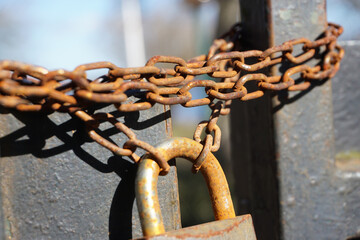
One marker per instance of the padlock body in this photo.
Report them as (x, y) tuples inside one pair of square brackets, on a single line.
[(234, 228)]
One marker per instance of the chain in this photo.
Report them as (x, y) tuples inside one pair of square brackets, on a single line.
[(26, 87)]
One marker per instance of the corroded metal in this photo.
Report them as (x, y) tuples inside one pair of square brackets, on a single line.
[(29, 88), (147, 177), (288, 179), (25, 87), (228, 229)]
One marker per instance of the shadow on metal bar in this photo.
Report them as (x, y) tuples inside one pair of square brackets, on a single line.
[(284, 99), (33, 139), (13, 145)]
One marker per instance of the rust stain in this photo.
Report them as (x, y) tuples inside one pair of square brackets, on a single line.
[(147, 176), (8, 167)]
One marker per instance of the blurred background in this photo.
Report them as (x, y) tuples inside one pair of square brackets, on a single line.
[(64, 34)]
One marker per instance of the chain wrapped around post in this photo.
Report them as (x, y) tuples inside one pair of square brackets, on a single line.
[(26, 87)]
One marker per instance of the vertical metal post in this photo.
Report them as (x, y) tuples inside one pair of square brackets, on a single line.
[(304, 134), (55, 183), (346, 100), (284, 147), (252, 137)]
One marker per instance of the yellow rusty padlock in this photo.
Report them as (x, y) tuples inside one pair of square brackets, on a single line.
[(228, 226)]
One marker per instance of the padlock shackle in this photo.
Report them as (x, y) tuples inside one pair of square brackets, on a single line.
[(147, 177)]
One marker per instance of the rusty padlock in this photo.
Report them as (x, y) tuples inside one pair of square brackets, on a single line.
[(227, 225)]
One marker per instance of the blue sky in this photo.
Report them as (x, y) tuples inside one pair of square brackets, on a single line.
[(342, 12), (65, 33), (61, 34)]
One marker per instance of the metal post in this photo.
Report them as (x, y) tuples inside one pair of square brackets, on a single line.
[(304, 135), (346, 100), (56, 183), (252, 138), (284, 147)]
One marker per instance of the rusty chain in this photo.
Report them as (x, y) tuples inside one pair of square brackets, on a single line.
[(26, 87)]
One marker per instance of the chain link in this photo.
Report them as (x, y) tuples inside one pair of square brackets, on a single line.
[(26, 87)]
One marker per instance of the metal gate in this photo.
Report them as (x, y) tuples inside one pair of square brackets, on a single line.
[(55, 182)]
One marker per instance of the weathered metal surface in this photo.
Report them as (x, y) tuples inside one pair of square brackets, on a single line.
[(309, 201), (292, 187), (26, 87), (347, 142), (229, 229), (253, 157), (346, 101), (3, 227), (147, 177), (56, 183)]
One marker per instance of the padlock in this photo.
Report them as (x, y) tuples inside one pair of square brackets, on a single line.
[(227, 225)]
